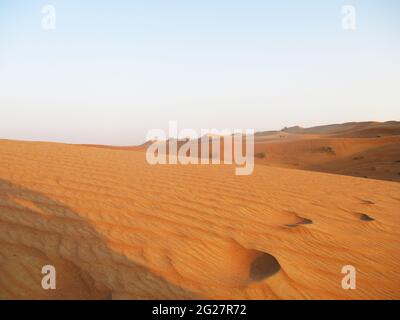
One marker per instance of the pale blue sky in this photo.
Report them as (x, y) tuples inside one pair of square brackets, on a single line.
[(112, 70)]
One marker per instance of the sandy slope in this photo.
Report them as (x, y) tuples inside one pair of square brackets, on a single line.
[(116, 227), (376, 158), (359, 149)]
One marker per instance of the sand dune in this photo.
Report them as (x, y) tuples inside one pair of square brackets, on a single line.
[(117, 228), (359, 149), (376, 158), (368, 129)]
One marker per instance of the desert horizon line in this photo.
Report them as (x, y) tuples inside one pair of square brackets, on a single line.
[(256, 132)]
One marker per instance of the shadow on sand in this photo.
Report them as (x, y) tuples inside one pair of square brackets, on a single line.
[(36, 231)]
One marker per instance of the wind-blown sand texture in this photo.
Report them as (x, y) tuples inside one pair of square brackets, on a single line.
[(117, 228)]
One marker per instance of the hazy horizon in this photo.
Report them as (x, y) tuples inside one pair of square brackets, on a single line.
[(60, 140), (110, 72)]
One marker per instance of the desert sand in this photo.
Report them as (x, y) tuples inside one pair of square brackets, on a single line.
[(365, 149), (116, 227), (360, 149)]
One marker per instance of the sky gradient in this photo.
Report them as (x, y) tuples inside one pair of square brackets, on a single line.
[(113, 70)]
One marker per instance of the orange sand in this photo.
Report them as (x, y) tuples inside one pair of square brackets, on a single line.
[(116, 227)]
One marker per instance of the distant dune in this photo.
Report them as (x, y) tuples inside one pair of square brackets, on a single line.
[(360, 149), (352, 129), (117, 228), (365, 149)]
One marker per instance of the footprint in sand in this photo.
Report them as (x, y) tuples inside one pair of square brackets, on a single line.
[(264, 266), (301, 221), (365, 217)]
